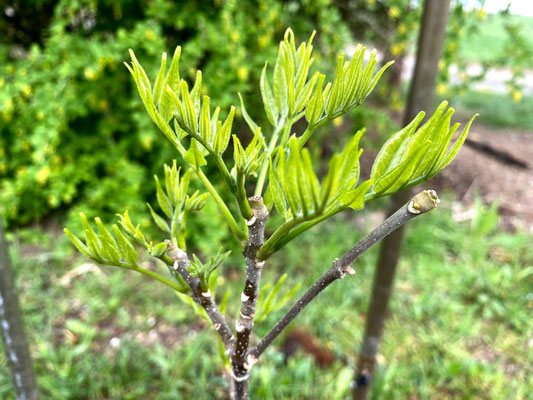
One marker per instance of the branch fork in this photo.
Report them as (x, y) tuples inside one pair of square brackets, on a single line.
[(419, 204)]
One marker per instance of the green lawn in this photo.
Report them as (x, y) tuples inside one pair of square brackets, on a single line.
[(499, 110), (489, 41), (460, 321)]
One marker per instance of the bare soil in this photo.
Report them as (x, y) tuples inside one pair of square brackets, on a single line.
[(474, 173)]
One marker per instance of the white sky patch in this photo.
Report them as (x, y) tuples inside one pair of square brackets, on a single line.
[(518, 7)]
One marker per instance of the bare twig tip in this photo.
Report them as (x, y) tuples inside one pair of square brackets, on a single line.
[(423, 202)]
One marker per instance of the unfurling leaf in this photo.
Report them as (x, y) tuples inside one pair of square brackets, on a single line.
[(414, 155), (190, 118), (159, 221), (248, 161), (194, 156), (269, 101), (315, 108), (196, 202), (158, 250), (223, 132), (78, 243), (125, 247), (203, 271), (91, 239), (251, 124), (162, 199), (355, 198)]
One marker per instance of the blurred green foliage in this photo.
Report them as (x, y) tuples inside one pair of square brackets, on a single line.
[(73, 133), (72, 130)]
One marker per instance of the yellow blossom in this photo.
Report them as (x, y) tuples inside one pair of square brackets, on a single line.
[(397, 48), (53, 201), (242, 73), (235, 36), (3, 168), (337, 121), (394, 12), (441, 89), (42, 175), (26, 91), (40, 115), (90, 74), (147, 142), (397, 105), (272, 15), (482, 13), (452, 46), (6, 116), (442, 64), (149, 34), (8, 104), (402, 28), (262, 41), (517, 96), (21, 171)]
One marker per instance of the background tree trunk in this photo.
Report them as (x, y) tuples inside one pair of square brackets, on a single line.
[(430, 42), (12, 330)]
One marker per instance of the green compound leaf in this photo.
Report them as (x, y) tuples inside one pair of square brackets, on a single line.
[(78, 243)]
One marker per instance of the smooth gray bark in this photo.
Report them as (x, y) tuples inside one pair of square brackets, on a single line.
[(256, 235)]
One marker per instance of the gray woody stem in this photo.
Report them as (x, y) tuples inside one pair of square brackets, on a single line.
[(256, 232), (421, 203), (204, 299)]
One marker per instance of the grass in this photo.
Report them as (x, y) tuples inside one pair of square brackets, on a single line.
[(459, 325), (499, 110), (491, 30)]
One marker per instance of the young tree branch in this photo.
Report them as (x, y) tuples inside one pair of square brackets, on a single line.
[(250, 293), (204, 299), (421, 203)]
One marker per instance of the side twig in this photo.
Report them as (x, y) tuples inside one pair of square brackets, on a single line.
[(421, 203), (241, 365), (204, 299)]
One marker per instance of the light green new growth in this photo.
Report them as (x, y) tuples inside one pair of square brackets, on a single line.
[(276, 159)]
